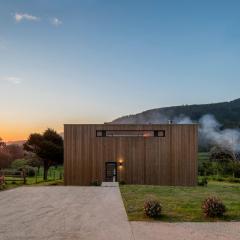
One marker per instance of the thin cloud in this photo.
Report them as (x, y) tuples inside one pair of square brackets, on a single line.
[(24, 16), (13, 80), (55, 22)]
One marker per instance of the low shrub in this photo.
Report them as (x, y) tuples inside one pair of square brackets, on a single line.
[(234, 180), (217, 178), (122, 182), (30, 171), (203, 182), (96, 183), (152, 208), (213, 207), (220, 179), (19, 163), (2, 186)]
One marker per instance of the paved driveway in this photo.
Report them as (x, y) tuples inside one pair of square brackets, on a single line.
[(57, 213), (186, 231)]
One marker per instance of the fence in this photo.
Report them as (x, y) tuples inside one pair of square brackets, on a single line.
[(30, 175), (12, 176), (54, 173)]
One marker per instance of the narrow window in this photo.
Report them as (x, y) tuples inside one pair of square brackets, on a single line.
[(130, 133)]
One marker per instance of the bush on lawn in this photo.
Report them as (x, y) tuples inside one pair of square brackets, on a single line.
[(220, 179), (234, 180), (96, 183), (30, 171), (2, 187), (203, 182), (213, 207), (152, 208)]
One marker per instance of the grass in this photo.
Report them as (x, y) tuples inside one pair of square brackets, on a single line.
[(53, 179), (203, 156), (31, 182), (181, 204)]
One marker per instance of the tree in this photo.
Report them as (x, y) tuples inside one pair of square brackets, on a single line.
[(4, 159), (16, 151), (47, 146), (35, 162), (2, 144), (19, 163), (4, 155), (220, 155)]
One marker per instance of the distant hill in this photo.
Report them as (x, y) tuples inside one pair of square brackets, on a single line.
[(227, 113)]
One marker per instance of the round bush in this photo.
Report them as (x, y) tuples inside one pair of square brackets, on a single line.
[(95, 183), (19, 163), (213, 207), (152, 208), (30, 171), (203, 182)]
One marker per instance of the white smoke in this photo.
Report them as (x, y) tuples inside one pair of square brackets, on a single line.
[(182, 119), (147, 118), (210, 131)]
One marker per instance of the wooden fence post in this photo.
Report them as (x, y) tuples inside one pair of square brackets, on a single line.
[(36, 175), (24, 177)]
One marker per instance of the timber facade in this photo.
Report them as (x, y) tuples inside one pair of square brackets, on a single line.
[(157, 154)]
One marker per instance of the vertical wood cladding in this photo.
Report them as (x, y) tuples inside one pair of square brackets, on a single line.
[(169, 160)]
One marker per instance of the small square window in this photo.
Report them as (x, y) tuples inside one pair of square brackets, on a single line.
[(99, 133), (161, 133)]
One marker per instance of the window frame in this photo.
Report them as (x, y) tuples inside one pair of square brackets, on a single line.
[(155, 133)]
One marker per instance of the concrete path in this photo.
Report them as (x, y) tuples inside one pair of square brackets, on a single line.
[(63, 213), (186, 231)]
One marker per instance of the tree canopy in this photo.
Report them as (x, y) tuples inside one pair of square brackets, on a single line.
[(48, 146)]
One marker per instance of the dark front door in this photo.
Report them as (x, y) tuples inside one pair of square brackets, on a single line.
[(111, 171)]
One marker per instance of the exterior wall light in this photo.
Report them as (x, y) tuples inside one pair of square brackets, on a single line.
[(120, 164)]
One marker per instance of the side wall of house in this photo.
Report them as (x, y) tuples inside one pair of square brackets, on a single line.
[(169, 160), (184, 149)]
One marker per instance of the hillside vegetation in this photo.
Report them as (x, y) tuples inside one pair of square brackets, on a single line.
[(227, 113)]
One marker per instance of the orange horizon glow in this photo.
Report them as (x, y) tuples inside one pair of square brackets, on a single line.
[(17, 126), (9, 137), (19, 133), (20, 130)]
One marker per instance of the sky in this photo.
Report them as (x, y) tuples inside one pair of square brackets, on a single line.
[(91, 61)]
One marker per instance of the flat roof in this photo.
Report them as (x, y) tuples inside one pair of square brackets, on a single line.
[(131, 124)]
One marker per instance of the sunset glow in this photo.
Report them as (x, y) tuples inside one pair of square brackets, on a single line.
[(10, 132), (94, 61)]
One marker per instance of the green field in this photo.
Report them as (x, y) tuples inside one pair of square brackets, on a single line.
[(55, 177), (181, 203)]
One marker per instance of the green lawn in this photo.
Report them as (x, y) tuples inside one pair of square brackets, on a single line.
[(31, 181), (55, 176), (181, 203)]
